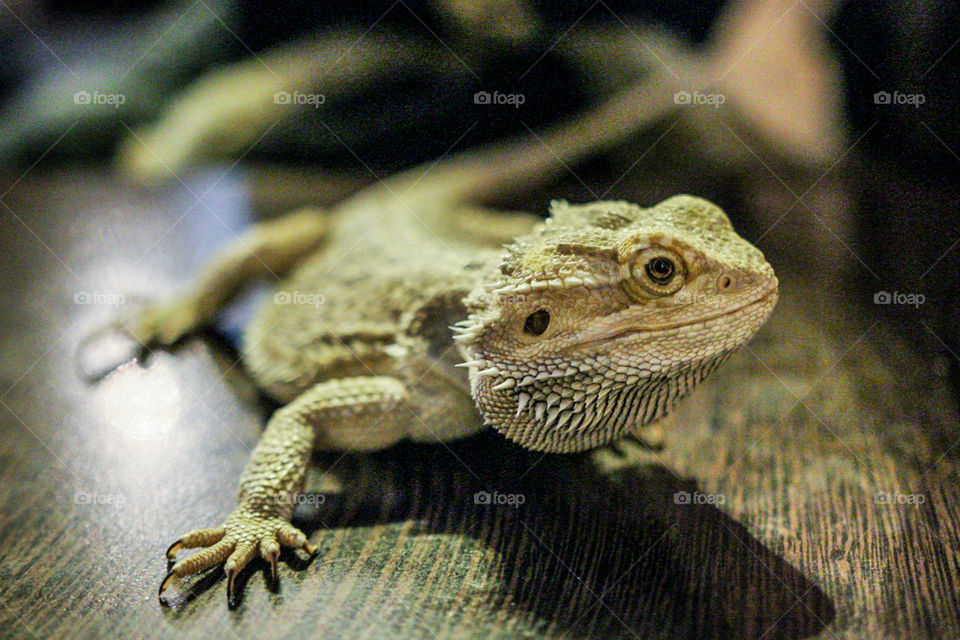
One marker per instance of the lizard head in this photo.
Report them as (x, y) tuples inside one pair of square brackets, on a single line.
[(605, 315)]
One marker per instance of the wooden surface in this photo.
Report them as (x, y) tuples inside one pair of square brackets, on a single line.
[(787, 448)]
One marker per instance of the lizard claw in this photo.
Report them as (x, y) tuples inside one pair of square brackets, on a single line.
[(270, 551), (170, 577), (244, 536), (232, 595), (129, 336)]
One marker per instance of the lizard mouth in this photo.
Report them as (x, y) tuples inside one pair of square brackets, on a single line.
[(769, 297)]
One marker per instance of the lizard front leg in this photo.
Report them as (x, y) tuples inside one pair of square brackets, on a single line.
[(270, 247), (349, 413)]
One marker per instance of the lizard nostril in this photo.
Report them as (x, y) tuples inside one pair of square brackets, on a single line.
[(724, 282)]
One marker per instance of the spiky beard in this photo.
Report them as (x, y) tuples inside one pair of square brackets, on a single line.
[(581, 406)]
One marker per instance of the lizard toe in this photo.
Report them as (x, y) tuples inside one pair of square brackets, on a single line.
[(270, 551), (163, 323), (240, 558), (289, 536), (196, 563), (244, 536), (198, 538)]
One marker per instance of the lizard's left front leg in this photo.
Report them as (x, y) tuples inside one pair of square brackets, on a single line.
[(349, 413)]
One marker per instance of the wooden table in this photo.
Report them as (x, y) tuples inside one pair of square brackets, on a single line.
[(808, 489)]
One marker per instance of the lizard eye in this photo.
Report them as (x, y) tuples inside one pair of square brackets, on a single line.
[(655, 271), (660, 270), (537, 322)]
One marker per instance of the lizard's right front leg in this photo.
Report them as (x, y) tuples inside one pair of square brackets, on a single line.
[(349, 413)]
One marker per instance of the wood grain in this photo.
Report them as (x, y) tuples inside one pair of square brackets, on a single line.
[(787, 454)]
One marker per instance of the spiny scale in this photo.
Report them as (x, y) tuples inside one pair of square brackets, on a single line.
[(611, 409)]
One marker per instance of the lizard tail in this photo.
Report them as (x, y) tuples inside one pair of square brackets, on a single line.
[(532, 162)]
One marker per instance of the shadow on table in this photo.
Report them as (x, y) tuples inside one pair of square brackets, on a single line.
[(597, 555), (623, 553)]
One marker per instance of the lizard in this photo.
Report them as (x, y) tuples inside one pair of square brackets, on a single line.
[(414, 310)]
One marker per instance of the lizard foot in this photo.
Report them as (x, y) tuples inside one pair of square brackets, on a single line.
[(129, 336), (243, 536), (162, 323)]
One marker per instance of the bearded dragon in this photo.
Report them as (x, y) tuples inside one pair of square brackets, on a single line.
[(404, 317)]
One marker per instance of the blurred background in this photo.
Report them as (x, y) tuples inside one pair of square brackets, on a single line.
[(827, 128), (138, 138)]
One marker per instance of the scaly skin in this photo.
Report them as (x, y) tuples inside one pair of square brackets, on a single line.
[(615, 349), (590, 325)]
